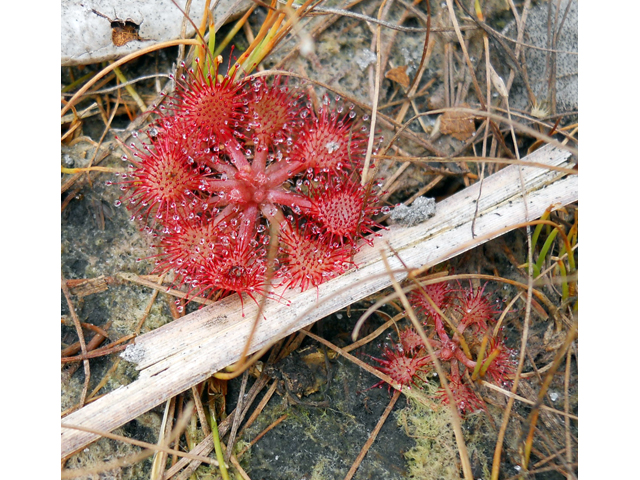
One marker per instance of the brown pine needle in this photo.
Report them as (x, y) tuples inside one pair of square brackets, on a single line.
[(372, 437), (262, 434), (150, 446)]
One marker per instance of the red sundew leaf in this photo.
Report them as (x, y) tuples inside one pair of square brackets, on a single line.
[(475, 308), (466, 399), (411, 341), (309, 259), (234, 269), (212, 107), (401, 366), (193, 143), (272, 111), (442, 295), (329, 141), (344, 208), (188, 247), (503, 363), (164, 182)]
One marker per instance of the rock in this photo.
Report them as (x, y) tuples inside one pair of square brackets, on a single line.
[(420, 210)]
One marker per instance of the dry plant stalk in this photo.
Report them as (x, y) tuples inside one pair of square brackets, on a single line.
[(185, 352)]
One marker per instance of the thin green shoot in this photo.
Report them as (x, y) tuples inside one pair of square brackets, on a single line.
[(543, 252), (217, 445)]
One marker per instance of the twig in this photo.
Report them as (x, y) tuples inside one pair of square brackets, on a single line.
[(258, 410), (160, 458), (375, 334), (567, 422), (425, 54), (138, 443), (526, 400), (372, 436), (502, 161), (129, 87), (495, 469), (376, 94), (206, 445), (262, 434), (356, 360), (132, 277), (533, 416), (83, 346), (121, 85), (366, 18), (497, 118), (236, 418), (122, 61), (101, 352), (71, 349)]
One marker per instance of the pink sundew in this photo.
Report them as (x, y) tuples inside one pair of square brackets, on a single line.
[(469, 312), (230, 157)]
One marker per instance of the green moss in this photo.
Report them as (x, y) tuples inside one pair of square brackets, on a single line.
[(435, 455), (103, 452), (321, 470)]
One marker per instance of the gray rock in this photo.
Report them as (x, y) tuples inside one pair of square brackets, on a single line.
[(420, 210)]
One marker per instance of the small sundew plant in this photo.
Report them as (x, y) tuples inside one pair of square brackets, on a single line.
[(228, 158), (463, 341)]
